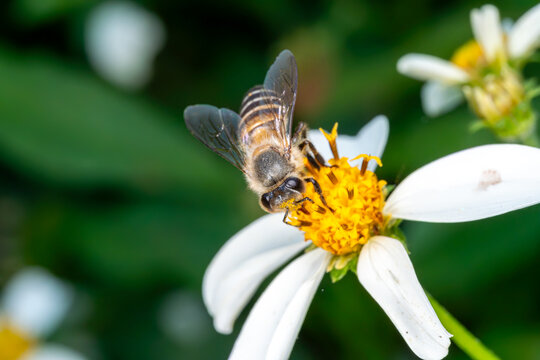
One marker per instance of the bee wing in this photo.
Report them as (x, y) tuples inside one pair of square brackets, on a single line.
[(218, 130), (282, 79)]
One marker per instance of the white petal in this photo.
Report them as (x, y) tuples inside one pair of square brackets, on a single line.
[(244, 262), (468, 185), (524, 37), (36, 301), (239, 285), (439, 98), (385, 270), (486, 25), (52, 352), (427, 67), (274, 322), (370, 140)]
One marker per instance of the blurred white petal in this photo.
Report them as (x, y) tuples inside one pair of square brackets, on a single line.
[(244, 262), (370, 140), (468, 185), (36, 301), (524, 37), (183, 318), (274, 322), (486, 25), (52, 352), (439, 98), (385, 270), (427, 67), (122, 40)]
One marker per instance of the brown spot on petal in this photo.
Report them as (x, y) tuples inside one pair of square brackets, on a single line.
[(489, 178)]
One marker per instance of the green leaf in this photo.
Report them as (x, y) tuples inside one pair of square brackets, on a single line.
[(337, 275), (36, 12), (61, 124), (464, 258), (129, 245)]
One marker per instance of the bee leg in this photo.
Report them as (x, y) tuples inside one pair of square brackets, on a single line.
[(296, 203), (313, 162), (318, 189), (300, 138), (303, 199), (285, 217), (302, 222), (315, 154)]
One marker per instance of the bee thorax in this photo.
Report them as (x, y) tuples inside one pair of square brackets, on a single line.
[(270, 167)]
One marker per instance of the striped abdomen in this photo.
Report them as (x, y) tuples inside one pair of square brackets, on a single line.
[(260, 113)]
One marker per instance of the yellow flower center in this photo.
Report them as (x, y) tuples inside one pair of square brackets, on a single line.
[(470, 56), (349, 211), (13, 342)]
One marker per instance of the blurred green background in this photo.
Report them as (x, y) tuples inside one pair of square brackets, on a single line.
[(103, 185)]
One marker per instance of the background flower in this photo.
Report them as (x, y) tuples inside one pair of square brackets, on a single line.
[(121, 40), (487, 70), (33, 304)]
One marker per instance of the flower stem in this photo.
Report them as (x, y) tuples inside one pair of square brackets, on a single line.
[(462, 337)]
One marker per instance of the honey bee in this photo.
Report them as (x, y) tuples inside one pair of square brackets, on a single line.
[(259, 141)]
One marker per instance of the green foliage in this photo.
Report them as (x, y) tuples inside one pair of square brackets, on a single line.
[(338, 274), (67, 127), (35, 12)]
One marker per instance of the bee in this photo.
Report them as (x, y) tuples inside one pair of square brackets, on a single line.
[(259, 141)]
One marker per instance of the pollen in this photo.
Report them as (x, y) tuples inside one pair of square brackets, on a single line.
[(13, 342), (469, 56), (347, 211)]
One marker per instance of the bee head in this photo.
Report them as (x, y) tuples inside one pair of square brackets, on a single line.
[(291, 188)]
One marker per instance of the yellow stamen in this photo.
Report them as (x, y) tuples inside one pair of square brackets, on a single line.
[(352, 214), (366, 160), (13, 342), (470, 56), (331, 138)]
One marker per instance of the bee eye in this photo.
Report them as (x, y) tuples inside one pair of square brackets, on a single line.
[(294, 183), (265, 201)]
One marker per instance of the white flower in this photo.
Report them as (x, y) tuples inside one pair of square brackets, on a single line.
[(468, 185), (122, 40), (32, 305), (490, 49)]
